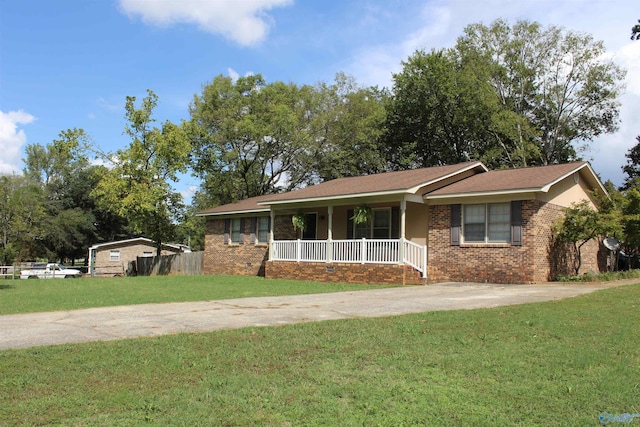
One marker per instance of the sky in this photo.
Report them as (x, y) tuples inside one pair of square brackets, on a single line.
[(71, 63)]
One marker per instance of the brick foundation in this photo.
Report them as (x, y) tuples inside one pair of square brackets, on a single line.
[(390, 274)]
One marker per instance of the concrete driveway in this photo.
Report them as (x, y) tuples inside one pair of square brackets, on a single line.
[(145, 320)]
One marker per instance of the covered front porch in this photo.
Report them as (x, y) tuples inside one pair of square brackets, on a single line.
[(384, 243), (361, 251)]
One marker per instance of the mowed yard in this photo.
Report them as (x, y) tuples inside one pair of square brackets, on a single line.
[(554, 363)]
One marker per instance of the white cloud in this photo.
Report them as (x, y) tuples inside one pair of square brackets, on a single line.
[(244, 22), (12, 139), (106, 105), (233, 74), (188, 192), (629, 57)]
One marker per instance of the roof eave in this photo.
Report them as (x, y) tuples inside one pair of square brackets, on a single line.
[(118, 242), (237, 212), (593, 177)]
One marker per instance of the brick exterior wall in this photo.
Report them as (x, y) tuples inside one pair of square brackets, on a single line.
[(240, 259), (225, 258), (391, 274), (539, 259)]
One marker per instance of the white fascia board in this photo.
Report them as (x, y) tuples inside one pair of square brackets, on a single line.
[(547, 187), (468, 168), (330, 198), (592, 173), (241, 212)]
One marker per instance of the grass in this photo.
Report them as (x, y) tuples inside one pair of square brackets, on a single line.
[(554, 363), (28, 296)]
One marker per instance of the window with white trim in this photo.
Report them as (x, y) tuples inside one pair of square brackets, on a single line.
[(487, 223), (114, 255), (263, 229), (378, 228)]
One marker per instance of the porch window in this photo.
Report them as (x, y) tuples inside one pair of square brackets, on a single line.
[(114, 255), (487, 223), (235, 230), (378, 228), (382, 224), (362, 230), (263, 229)]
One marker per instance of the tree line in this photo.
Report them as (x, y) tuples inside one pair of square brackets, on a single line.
[(508, 95)]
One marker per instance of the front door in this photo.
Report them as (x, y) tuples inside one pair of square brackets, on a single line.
[(311, 222)]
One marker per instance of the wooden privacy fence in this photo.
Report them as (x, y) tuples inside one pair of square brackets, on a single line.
[(183, 264)]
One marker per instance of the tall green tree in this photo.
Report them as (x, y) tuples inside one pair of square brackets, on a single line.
[(441, 112), (22, 217), (346, 131), (632, 168), (559, 81), (58, 168), (248, 135), (252, 138), (138, 187), (631, 220)]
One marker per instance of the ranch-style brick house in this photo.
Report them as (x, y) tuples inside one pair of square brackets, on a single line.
[(458, 222)]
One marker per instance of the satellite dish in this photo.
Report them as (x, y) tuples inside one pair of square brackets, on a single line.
[(611, 243)]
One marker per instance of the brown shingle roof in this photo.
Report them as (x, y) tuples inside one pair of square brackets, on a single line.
[(246, 205), (401, 181), (531, 178)]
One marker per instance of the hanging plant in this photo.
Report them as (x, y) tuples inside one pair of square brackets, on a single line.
[(362, 214), (299, 222)]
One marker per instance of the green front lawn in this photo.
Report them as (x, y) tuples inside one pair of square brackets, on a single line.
[(27, 296), (555, 363)]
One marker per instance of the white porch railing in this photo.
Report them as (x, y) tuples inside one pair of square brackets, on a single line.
[(363, 251)]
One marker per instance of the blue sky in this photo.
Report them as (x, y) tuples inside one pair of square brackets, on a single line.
[(71, 63)]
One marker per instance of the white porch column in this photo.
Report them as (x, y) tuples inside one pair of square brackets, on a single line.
[(272, 217), (403, 208), (329, 233)]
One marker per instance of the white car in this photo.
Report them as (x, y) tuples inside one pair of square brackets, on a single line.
[(51, 271)]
